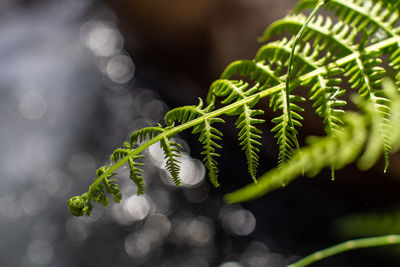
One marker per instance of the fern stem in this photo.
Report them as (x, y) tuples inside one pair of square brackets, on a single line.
[(344, 60), (298, 36), (346, 246), (183, 127), (225, 109)]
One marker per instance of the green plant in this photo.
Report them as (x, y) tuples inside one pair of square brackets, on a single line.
[(325, 57)]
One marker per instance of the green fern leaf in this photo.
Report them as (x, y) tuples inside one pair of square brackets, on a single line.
[(305, 61), (234, 91), (367, 75), (335, 37), (248, 135), (170, 148), (323, 51), (255, 71), (393, 94), (209, 135), (344, 148), (185, 113), (395, 63), (171, 152), (145, 133), (285, 133), (325, 93), (372, 16), (110, 186), (324, 90), (135, 171), (79, 205)]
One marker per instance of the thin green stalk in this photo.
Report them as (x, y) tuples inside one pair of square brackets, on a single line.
[(218, 112), (297, 38), (346, 246), (183, 127)]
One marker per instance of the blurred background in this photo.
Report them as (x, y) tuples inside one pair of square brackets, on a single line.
[(78, 76)]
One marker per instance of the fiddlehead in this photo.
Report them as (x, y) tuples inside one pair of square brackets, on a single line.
[(82, 205)]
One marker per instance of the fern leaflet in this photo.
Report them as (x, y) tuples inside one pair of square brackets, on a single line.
[(135, 171), (233, 91), (344, 147), (209, 135), (368, 77), (171, 152)]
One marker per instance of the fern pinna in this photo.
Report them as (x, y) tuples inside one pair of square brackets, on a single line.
[(326, 58)]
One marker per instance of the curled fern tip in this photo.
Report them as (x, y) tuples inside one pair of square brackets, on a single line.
[(76, 205)]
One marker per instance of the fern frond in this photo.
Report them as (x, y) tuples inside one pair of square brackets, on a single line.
[(248, 135), (395, 63), (82, 205), (121, 152), (344, 148), (237, 90), (290, 118), (322, 52), (392, 93), (170, 148), (256, 71), (372, 16), (285, 132), (145, 133), (209, 135), (335, 37), (233, 91), (325, 92), (171, 152), (110, 186), (377, 19), (306, 60), (135, 171), (113, 188), (367, 75), (186, 113)]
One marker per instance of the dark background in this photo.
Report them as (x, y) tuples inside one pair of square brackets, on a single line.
[(77, 77)]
